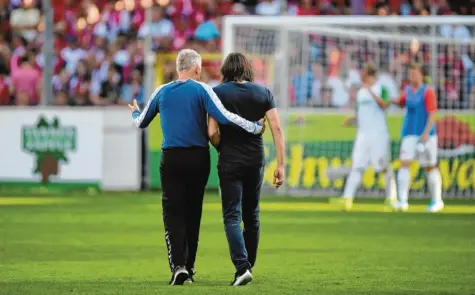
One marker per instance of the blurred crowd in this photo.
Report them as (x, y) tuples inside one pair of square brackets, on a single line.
[(330, 76), (99, 45)]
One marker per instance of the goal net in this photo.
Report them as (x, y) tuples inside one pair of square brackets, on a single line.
[(312, 66)]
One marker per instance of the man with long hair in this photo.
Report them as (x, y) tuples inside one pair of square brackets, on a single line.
[(185, 165), (241, 160)]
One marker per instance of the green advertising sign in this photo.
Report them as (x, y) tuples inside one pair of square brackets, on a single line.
[(51, 151), (50, 143)]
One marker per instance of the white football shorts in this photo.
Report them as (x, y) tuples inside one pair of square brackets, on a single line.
[(370, 149), (425, 154)]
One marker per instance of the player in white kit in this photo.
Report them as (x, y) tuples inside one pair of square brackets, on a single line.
[(372, 143)]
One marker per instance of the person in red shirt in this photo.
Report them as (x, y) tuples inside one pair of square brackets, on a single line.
[(182, 32), (307, 7), (26, 79)]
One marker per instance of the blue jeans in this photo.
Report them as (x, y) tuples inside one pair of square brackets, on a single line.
[(240, 194)]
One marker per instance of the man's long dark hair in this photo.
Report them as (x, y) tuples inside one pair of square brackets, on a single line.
[(237, 68)]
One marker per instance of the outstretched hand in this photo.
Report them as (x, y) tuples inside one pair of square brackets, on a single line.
[(134, 106)]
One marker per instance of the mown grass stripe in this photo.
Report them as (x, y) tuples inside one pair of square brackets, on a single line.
[(8, 201), (293, 207)]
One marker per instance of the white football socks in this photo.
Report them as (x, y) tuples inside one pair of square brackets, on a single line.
[(352, 184), (391, 192), (434, 182), (403, 183)]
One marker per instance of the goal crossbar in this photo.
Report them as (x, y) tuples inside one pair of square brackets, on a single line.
[(287, 22), (282, 21), (378, 36)]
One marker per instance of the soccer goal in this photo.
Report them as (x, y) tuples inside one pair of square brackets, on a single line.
[(312, 66)]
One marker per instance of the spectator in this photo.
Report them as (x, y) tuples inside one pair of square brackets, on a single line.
[(207, 31), (25, 19), (405, 8), (161, 30), (22, 99), (316, 85), (134, 89), (98, 49), (250, 4), (239, 9), (443, 8), (58, 62), (268, 7), (5, 56), (259, 67), (458, 32), (80, 83), (72, 54), (326, 7), (26, 80), (103, 43), (382, 10), (302, 81), (104, 67), (4, 91), (111, 88), (182, 33), (136, 60), (61, 82), (419, 7), (4, 17), (94, 64), (81, 100), (306, 7), (121, 56), (61, 98), (18, 49)]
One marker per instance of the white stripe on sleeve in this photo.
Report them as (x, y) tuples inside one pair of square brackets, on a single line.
[(249, 126), (138, 120)]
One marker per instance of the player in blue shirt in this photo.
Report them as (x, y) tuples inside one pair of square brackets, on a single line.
[(241, 160), (419, 139), (185, 166)]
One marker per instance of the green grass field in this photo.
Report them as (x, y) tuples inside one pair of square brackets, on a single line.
[(114, 244)]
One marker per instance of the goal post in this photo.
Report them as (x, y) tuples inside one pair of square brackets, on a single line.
[(315, 69)]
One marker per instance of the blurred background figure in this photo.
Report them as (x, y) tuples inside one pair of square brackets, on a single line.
[(25, 82)]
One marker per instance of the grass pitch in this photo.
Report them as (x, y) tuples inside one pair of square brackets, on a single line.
[(114, 244)]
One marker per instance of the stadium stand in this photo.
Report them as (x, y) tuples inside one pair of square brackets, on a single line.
[(99, 46)]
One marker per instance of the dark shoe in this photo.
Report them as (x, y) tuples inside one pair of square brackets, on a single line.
[(191, 274), (242, 278), (179, 276)]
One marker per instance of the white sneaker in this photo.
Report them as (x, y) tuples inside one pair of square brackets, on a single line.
[(242, 279), (391, 201), (435, 206), (401, 206)]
